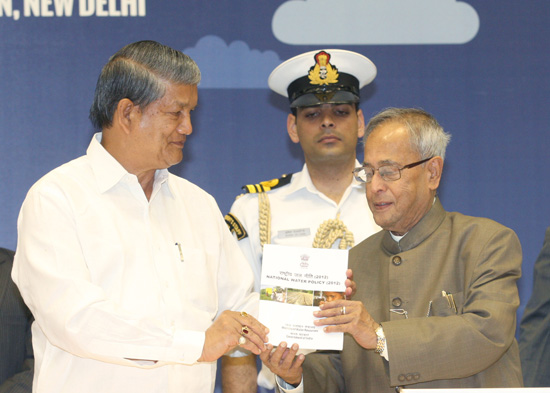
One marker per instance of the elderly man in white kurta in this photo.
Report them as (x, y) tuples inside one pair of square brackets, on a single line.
[(129, 270)]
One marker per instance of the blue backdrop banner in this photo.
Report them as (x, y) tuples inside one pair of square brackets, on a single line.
[(480, 66)]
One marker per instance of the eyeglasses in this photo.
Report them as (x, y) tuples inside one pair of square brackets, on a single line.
[(364, 174)]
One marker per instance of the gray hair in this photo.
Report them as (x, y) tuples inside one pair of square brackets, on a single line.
[(427, 137), (139, 72)]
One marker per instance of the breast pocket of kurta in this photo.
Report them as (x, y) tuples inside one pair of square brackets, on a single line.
[(197, 276), (103, 250), (444, 306)]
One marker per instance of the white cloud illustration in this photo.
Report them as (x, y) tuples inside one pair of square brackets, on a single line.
[(375, 22), (232, 66)]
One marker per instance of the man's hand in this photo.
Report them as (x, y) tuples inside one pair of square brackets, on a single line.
[(224, 334), (283, 362), (348, 317), (351, 287)]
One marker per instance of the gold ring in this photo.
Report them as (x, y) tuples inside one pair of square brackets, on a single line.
[(343, 310), (244, 329), (242, 340), (244, 314)]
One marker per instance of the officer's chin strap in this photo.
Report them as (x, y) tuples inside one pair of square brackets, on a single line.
[(332, 230)]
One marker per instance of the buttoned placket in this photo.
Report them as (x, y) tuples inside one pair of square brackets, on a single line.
[(165, 254), (397, 311)]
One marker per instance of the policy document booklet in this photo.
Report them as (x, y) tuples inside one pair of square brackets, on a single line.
[(295, 281)]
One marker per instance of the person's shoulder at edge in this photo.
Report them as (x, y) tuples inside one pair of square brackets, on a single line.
[(8, 254)]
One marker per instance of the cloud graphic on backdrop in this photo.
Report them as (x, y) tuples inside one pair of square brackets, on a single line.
[(232, 66), (375, 22)]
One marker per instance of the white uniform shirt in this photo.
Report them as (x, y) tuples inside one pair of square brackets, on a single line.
[(297, 210), (100, 267)]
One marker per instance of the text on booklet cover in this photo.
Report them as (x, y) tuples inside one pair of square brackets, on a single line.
[(295, 281)]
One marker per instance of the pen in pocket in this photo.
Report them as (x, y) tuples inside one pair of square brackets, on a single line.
[(179, 249), (450, 300)]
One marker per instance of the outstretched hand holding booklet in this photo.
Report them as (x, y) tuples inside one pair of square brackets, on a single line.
[(295, 281)]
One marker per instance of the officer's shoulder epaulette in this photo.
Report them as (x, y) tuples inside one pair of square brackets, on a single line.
[(267, 185)]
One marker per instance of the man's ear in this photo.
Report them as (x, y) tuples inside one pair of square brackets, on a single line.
[(125, 114), (360, 124), (291, 127), (435, 168)]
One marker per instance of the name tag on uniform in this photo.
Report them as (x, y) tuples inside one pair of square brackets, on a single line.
[(290, 233)]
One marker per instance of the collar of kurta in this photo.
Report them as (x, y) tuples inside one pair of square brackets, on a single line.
[(108, 171), (420, 232)]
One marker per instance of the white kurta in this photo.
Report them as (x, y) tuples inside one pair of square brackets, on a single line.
[(100, 267)]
